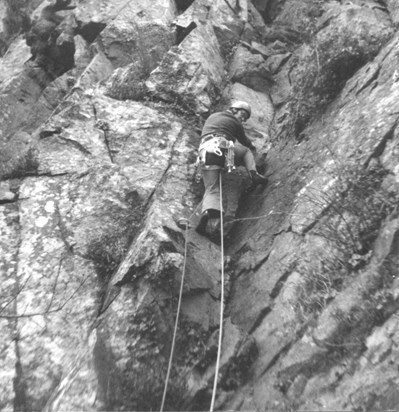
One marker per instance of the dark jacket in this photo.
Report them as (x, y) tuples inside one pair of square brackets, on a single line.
[(227, 124)]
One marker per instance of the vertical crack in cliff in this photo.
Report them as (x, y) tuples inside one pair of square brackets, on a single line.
[(281, 281), (90, 30), (231, 7), (183, 32), (76, 144), (53, 403), (284, 350), (104, 127), (63, 229), (258, 321), (379, 149), (19, 382), (165, 172), (114, 285), (8, 201), (373, 78)]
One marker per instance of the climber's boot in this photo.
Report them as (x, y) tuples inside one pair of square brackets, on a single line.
[(257, 178), (207, 217), (213, 227), (201, 227)]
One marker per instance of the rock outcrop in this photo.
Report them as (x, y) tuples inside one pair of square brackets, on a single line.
[(97, 166)]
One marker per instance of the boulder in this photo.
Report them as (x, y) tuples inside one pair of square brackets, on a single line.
[(227, 19), (317, 71), (28, 89), (99, 69), (191, 73), (128, 82), (261, 5), (52, 96), (393, 11), (98, 12), (83, 55), (275, 62), (140, 31), (51, 38), (15, 19), (255, 19), (20, 88), (298, 16), (6, 193), (250, 70)]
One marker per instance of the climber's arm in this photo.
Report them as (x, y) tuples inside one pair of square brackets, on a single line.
[(244, 140)]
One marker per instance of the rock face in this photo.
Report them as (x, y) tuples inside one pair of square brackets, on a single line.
[(51, 39), (97, 166), (345, 38)]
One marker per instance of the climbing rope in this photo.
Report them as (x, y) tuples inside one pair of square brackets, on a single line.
[(178, 308), (181, 298), (176, 321), (221, 298)]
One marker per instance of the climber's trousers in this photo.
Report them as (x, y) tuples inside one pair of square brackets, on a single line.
[(211, 199), (244, 157)]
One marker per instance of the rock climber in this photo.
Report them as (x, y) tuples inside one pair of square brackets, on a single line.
[(224, 143)]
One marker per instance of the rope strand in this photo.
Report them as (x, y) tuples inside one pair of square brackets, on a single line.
[(178, 309), (221, 298), (176, 323), (180, 301)]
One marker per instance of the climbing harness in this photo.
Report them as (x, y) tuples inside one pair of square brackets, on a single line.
[(180, 301), (216, 144), (212, 145)]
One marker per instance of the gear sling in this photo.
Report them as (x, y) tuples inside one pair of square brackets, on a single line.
[(216, 150)]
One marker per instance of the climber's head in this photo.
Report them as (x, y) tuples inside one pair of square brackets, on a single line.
[(241, 110)]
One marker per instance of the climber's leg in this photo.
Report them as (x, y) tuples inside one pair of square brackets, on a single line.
[(211, 198), (244, 157)]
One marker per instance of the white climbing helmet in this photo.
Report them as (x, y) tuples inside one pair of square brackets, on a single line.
[(241, 105)]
